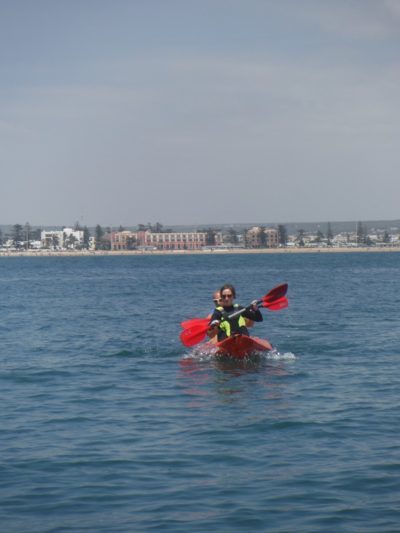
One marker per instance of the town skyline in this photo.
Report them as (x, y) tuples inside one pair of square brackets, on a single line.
[(157, 237), (339, 225)]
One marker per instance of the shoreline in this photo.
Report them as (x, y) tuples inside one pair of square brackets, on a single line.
[(224, 251)]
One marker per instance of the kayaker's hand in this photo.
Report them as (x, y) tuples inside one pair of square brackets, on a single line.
[(254, 305), (214, 324)]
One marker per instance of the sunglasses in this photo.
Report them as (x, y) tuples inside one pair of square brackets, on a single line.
[(225, 296), (217, 300)]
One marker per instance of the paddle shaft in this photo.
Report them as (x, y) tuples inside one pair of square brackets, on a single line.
[(192, 335), (241, 311), (275, 295)]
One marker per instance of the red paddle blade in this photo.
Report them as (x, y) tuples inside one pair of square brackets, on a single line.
[(277, 305), (276, 293), (194, 334), (195, 330), (194, 322)]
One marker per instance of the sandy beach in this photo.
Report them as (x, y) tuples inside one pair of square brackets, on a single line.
[(91, 253)]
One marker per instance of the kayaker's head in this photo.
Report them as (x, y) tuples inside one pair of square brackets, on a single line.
[(217, 298), (228, 294)]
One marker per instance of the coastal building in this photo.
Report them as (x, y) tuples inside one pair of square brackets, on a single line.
[(66, 238), (124, 240), (52, 239), (129, 240), (72, 238), (258, 237)]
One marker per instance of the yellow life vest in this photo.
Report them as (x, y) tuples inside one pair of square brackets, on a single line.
[(225, 324)]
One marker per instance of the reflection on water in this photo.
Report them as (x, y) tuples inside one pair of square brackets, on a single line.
[(214, 378)]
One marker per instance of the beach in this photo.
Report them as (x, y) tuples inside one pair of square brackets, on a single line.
[(213, 251)]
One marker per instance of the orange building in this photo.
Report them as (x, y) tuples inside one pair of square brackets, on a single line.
[(125, 240), (270, 239)]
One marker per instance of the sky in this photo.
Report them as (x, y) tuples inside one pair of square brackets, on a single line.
[(199, 111)]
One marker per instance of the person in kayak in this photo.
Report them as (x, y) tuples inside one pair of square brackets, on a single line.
[(212, 333), (226, 327), (217, 298)]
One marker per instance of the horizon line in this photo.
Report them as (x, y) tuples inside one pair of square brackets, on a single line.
[(211, 224)]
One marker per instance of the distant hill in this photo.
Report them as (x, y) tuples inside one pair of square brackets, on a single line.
[(308, 227), (292, 227)]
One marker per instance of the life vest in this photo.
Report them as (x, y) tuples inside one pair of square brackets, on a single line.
[(225, 325)]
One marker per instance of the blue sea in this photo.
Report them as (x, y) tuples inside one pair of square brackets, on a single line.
[(109, 424)]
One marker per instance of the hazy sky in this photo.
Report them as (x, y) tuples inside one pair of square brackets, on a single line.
[(199, 111)]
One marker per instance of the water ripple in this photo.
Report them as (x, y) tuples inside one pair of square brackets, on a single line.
[(109, 424)]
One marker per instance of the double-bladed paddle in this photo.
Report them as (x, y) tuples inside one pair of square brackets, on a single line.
[(196, 328), (274, 301)]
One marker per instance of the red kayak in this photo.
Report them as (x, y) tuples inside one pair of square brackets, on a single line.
[(240, 346)]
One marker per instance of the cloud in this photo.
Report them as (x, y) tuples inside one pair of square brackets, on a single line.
[(304, 120), (352, 19)]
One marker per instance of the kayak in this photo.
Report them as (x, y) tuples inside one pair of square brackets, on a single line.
[(240, 346)]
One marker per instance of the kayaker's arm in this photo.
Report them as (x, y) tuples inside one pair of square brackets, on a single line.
[(253, 313), (214, 323)]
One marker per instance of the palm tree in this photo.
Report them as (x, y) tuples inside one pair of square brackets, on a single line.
[(262, 237), (329, 234), (210, 236), (232, 236), (98, 235), (71, 241), (55, 241), (17, 235), (86, 237), (27, 235), (319, 236), (282, 232), (131, 243), (300, 237)]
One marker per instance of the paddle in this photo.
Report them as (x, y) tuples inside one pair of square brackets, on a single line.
[(273, 301), (273, 297), (276, 293), (195, 322), (196, 329), (276, 305)]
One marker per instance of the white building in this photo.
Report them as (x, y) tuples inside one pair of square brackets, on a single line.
[(72, 238), (67, 238), (52, 239)]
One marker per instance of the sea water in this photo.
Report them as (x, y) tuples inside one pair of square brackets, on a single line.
[(108, 423)]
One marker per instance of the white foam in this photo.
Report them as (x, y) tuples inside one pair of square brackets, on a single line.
[(207, 353), (202, 352), (277, 356)]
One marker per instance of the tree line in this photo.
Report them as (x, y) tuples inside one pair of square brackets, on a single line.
[(22, 235)]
